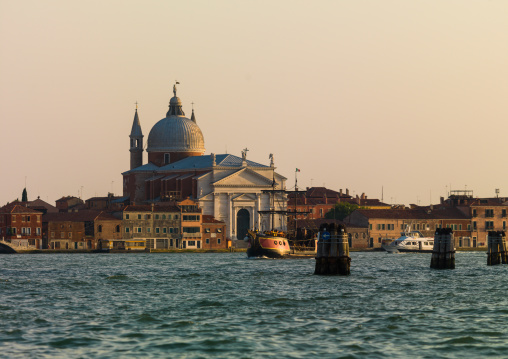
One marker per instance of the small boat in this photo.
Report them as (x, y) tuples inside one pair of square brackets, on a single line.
[(412, 241), (270, 244)]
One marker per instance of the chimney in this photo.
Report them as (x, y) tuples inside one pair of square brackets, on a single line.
[(363, 196), (441, 199), (347, 191), (340, 192)]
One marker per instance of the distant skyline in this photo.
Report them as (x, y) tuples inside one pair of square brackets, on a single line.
[(404, 99)]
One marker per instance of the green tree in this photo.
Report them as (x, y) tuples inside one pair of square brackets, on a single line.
[(24, 196), (341, 210)]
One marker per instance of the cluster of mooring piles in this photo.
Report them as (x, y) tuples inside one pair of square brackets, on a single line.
[(332, 255), (443, 253), (496, 250)]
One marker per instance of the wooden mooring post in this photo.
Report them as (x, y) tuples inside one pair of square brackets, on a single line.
[(443, 252), (332, 254), (496, 250)]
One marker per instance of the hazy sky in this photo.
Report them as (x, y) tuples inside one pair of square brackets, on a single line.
[(408, 96)]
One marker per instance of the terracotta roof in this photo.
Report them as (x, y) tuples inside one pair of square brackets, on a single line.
[(81, 216), (487, 202), (148, 208), (16, 208), (445, 213), (65, 198), (315, 223), (211, 219)]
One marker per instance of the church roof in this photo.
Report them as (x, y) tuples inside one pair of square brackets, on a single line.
[(149, 167), (136, 126), (202, 162), (175, 132)]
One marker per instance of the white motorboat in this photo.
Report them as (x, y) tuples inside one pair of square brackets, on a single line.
[(413, 241)]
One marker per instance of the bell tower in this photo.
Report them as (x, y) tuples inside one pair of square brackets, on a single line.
[(136, 138)]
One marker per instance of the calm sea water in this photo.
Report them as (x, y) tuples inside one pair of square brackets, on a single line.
[(226, 306)]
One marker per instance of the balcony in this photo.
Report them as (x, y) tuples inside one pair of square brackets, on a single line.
[(191, 235)]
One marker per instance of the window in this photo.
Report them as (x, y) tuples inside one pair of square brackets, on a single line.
[(38, 231), (489, 224), (52, 234), (139, 230), (117, 229), (504, 225), (14, 218), (70, 234), (474, 213), (166, 158), (29, 231), (503, 213), (164, 230), (474, 226), (208, 241), (489, 213), (126, 216), (156, 216), (99, 229), (219, 230), (148, 229), (190, 230), (370, 227), (191, 243), (126, 229), (62, 234), (28, 218), (157, 230), (176, 230), (383, 227), (171, 230), (176, 216), (468, 227), (207, 230), (164, 216), (147, 216), (139, 216), (454, 227), (218, 240)]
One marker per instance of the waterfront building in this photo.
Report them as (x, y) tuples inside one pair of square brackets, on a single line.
[(21, 226), (191, 223), (315, 202), (213, 234), (229, 188), (150, 227), (82, 230), (69, 204), (389, 223), (110, 203)]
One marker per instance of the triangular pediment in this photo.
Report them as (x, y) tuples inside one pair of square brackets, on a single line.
[(245, 197), (244, 178)]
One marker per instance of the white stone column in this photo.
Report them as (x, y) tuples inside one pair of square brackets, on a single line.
[(258, 208), (216, 204), (230, 214)]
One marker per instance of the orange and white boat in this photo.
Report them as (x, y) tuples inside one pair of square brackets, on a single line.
[(269, 244)]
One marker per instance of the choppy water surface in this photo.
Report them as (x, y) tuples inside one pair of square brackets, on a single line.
[(225, 306)]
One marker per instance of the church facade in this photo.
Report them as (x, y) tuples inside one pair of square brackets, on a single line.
[(232, 189)]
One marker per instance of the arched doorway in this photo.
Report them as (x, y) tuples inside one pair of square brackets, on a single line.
[(242, 223)]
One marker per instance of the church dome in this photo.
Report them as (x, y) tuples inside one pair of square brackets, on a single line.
[(176, 133)]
